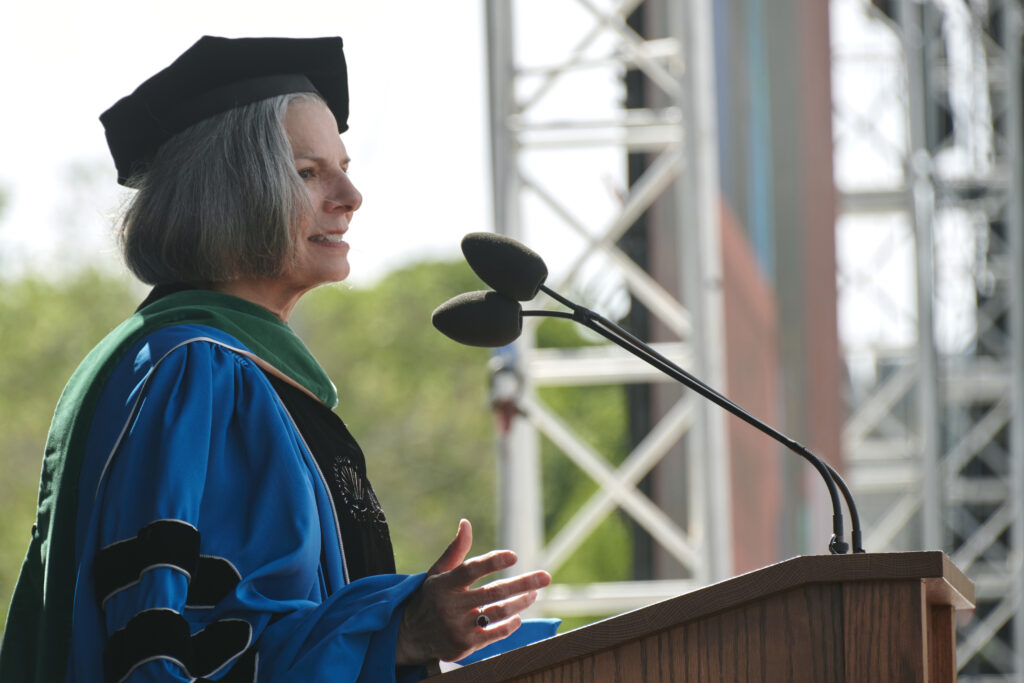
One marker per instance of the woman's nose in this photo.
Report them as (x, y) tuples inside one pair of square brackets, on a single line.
[(343, 195)]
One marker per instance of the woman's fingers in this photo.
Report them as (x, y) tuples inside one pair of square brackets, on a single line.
[(459, 579), (500, 611), (475, 568), (499, 590), (456, 552), (440, 620), (497, 631)]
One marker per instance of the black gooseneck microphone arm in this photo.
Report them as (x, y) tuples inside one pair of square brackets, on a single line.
[(622, 338)]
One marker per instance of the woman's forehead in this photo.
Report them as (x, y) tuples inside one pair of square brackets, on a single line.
[(312, 130)]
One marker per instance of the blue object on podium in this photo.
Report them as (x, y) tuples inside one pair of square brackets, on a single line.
[(531, 631)]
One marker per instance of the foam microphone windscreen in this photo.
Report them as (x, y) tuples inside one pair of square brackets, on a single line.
[(509, 267), (480, 319)]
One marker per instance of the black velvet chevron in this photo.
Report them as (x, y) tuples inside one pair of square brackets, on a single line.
[(214, 579), (165, 543), (164, 634)]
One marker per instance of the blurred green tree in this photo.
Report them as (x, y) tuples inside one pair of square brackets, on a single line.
[(46, 328)]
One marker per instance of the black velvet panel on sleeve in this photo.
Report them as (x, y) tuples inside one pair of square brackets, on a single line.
[(364, 529)]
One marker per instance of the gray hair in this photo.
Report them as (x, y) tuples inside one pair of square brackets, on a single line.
[(219, 202)]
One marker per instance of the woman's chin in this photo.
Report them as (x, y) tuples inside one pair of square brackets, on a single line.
[(342, 273), (336, 275), (336, 270)]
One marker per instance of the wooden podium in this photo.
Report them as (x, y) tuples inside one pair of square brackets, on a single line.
[(852, 618)]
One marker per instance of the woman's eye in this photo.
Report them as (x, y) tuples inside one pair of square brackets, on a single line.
[(305, 173)]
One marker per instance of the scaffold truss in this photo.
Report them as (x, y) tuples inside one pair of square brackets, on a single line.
[(927, 121), (557, 113)]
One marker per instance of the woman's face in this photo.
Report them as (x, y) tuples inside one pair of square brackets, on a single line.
[(321, 161)]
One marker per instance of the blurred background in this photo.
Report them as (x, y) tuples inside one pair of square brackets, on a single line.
[(813, 206)]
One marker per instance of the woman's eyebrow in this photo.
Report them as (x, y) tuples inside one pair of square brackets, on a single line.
[(319, 159)]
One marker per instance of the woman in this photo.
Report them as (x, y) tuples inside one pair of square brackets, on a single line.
[(203, 513)]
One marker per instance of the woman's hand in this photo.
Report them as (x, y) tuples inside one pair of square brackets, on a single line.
[(440, 621)]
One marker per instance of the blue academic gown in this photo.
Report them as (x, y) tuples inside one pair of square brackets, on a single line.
[(207, 545)]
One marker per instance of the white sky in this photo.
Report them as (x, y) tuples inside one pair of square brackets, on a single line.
[(418, 124), (418, 134)]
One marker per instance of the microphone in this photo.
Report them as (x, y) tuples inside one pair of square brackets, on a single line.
[(505, 265), (495, 319), (480, 319)]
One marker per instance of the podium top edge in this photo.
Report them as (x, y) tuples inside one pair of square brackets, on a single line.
[(944, 584), (933, 566)]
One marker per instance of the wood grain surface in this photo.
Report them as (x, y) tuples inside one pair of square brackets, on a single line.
[(819, 619)]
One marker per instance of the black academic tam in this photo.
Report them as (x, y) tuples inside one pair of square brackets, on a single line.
[(213, 76)]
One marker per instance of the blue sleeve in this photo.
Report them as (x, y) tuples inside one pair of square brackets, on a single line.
[(206, 543)]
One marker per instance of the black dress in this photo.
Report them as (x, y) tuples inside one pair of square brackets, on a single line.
[(364, 530)]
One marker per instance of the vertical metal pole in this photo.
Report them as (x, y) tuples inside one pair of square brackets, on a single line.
[(501, 78), (922, 190), (520, 525), (701, 268), (1013, 30)]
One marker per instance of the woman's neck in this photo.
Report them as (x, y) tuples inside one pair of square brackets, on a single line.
[(270, 294)]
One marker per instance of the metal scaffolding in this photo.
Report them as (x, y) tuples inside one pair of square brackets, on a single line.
[(928, 160), (927, 121), (537, 110)]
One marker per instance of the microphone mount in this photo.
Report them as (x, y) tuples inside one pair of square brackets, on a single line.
[(625, 340)]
